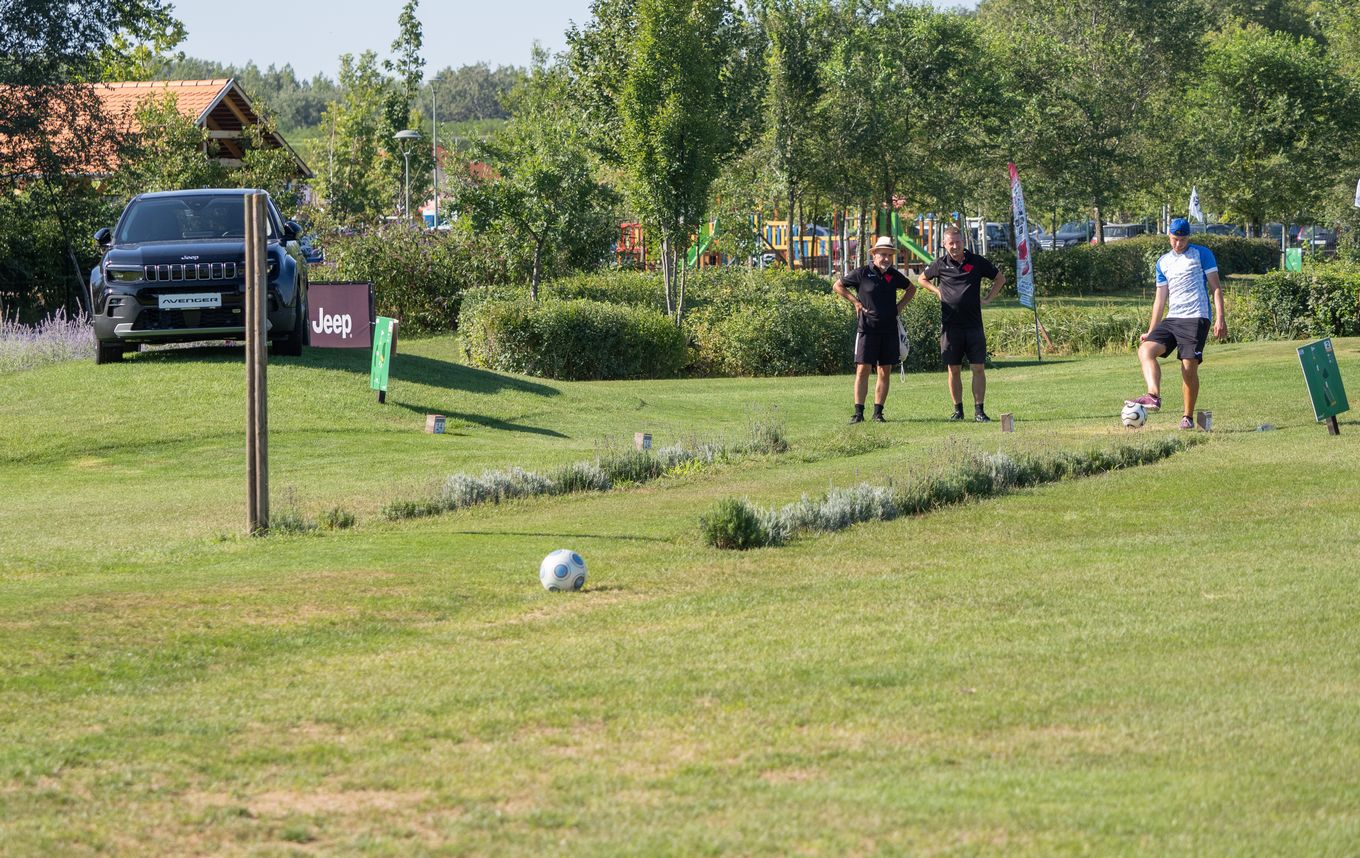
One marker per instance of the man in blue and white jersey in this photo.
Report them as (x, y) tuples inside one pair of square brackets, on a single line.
[(1187, 277)]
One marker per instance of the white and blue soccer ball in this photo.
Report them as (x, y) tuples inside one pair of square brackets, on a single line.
[(1133, 416), (562, 570)]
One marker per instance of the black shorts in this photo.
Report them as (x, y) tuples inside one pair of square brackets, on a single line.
[(957, 343), (878, 347), (1187, 335)]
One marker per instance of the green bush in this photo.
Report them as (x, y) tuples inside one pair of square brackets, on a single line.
[(571, 340), (1073, 330), (1322, 300), (418, 276), (797, 335), (1129, 265), (733, 524)]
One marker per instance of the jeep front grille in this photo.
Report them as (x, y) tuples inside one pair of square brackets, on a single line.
[(201, 271)]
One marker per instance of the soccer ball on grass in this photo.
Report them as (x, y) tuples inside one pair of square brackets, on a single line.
[(1133, 416), (562, 570)]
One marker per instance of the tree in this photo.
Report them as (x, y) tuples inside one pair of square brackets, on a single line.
[(1099, 77), (671, 88), (543, 192), (795, 30), (52, 128), (354, 190), (1270, 119)]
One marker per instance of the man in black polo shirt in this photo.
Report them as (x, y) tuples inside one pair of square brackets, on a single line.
[(876, 305), (960, 273)]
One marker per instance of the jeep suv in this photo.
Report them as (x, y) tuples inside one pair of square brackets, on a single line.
[(174, 272)]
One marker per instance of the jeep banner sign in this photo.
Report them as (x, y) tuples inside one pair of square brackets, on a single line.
[(340, 315)]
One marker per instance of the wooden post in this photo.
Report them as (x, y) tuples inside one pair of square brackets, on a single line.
[(257, 361), (1333, 428)]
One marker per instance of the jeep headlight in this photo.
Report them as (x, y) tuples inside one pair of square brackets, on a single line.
[(122, 275)]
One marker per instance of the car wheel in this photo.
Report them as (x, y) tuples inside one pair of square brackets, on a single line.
[(291, 345), (108, 352)]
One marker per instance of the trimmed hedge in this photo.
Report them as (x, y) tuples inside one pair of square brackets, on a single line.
[(1322, 300), (571, 340), (1129, 265), (739, 322), (795, 335)]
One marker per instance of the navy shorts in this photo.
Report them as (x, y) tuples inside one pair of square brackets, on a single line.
[(878, 347), (957, 343), (1188, 336)]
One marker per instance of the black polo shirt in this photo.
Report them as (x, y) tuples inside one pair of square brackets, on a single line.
[(877, 291), (960, 285)]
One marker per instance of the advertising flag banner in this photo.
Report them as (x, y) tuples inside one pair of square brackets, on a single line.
[(1024, 267), (1195, 211), (1357, 195), (383, 333)]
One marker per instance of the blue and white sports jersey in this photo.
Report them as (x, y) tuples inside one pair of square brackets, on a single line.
[(1186, 276)]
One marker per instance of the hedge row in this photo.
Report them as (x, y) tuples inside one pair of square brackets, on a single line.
[(1322, 300), (741, 323), (1129, 265), (573, 339)]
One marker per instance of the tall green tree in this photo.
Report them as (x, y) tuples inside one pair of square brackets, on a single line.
[(350, 182), (52, 128), (543, 195), (796, 31), (1100, 80), (675, 87), (1270, 119)]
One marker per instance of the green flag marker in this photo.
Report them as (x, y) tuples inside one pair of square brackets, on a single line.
[(384, 337), (1293, 259), (1324, 382)]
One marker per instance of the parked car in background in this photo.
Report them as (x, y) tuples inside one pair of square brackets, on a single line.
[(174, 272), (1121, 231), (1319, 239), (1217, 229), (1069, 235), (998, 236), (312, 253)]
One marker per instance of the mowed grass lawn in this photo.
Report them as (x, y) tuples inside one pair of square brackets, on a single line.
[(1164, 660)]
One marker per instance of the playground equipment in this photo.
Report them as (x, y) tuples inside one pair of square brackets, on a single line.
[(818, 247)]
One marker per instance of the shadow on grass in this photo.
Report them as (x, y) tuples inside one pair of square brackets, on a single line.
[(476, 419), (415, 369), (518, 533)]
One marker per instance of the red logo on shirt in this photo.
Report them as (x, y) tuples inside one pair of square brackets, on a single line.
[(967, 268)]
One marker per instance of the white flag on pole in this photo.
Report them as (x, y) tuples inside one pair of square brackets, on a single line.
[(1024, 268), (1195, 211), (1357, 194)]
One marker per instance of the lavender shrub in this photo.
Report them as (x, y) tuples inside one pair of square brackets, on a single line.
[(55, 339)]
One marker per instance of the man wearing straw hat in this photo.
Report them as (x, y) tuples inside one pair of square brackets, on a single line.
[(877, 345)]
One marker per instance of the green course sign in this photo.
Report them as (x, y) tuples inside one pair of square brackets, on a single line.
[(1293, 259), (1324, 379), (384, 335)]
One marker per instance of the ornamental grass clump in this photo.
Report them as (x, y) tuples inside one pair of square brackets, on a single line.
[(53, 340), (734, 524)]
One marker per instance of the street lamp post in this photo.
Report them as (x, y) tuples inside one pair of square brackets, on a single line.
[(404, 140)]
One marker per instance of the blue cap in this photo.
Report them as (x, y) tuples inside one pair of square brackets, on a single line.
[(1179, 226)]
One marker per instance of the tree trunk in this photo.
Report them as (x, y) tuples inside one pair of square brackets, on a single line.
[(667, 271), (538, 270), (680, 286), (1100, 226), (793, 200), (863, 235)]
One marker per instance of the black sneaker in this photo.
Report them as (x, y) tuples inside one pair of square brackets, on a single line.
[(878, 418), (858, 418), (981, 417), (957, 415)]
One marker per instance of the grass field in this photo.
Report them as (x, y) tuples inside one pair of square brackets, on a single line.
[(1163, 660)]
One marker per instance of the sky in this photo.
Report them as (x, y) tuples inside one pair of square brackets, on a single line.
[(312, 34)]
